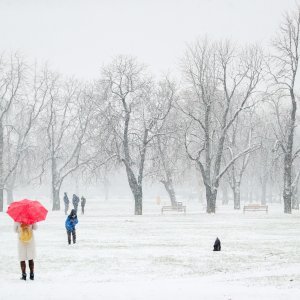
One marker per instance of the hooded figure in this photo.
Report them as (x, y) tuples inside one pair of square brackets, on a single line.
[(75, 201), (217, 245), (83, 202), (70, 224), (66, 201)]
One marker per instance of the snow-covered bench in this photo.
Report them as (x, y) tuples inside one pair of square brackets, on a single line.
[(256, 207), (178, 207)]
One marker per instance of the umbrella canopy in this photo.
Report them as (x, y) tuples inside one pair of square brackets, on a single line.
[(27, 211)]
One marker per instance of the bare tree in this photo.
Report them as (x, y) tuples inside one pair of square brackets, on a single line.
[(168, 157), (240, 137), (21, 123), (284, 71), (65, 123), (135, 114), (220, 83), (12, 75)]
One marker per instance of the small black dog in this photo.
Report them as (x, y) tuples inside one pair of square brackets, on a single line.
[(217, 245)]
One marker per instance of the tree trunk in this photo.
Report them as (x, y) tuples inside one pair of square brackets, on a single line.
[(287, 185), (10, 195), (264, 190), (1, 165), (138, 201), (106, 188), (55, 199), (55, 187), (211, 197), (1, 199), (251, 192), (288, 159), (170, 190), (200, 190), (237, 195), (136, 189), (270, 196), (10, 187), (295, 199), (225, 199)]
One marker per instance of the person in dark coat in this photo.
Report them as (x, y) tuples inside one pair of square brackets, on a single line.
[(83, 202), (75, 201), (66, 201), (217, 245), (70, 224)]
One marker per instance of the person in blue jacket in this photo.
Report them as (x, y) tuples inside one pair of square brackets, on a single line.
[(70, 224)]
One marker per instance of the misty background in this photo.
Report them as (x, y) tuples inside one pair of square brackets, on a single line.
[(73, 48)]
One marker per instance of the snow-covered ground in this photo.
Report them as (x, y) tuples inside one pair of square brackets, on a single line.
[(161, 257)]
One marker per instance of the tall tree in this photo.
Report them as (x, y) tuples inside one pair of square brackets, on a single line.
[(168, 157), (220, 81), (12, 77), (21, 125), (135, 113), (65, 123), (240, 136), (284, 72)]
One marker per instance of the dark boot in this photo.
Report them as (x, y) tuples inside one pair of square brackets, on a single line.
[(74, 236), (23, 269), (69, 237), (31, 267)]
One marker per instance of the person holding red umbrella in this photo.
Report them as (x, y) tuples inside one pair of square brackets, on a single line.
[(26, 247), (26, 213)]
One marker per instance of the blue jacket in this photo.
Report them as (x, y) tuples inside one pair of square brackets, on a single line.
[(71, 223)]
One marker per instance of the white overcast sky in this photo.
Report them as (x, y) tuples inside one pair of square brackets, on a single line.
[(77, 36)]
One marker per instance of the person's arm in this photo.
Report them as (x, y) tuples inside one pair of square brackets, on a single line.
[(67, 223)]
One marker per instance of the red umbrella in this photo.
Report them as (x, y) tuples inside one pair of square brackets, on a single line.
[(27, 211)]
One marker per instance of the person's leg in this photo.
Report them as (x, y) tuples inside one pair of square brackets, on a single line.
[(83, 210), (23, 269), (31, 268), (74, 236), (69, 237)]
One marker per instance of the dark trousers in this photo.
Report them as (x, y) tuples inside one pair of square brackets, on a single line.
[(73, 232), (31, 266)]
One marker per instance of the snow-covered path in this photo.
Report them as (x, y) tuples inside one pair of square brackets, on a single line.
[(121, 256)]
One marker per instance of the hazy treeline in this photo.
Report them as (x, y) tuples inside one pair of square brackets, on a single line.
[(232, 117)]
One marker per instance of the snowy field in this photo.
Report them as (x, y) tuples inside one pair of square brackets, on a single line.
[(161, 257)]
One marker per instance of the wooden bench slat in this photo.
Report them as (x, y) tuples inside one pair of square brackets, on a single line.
[(255, 207), (179, 207)]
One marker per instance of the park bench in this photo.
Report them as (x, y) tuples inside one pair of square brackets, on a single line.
[(256, 207), (178, 207)]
